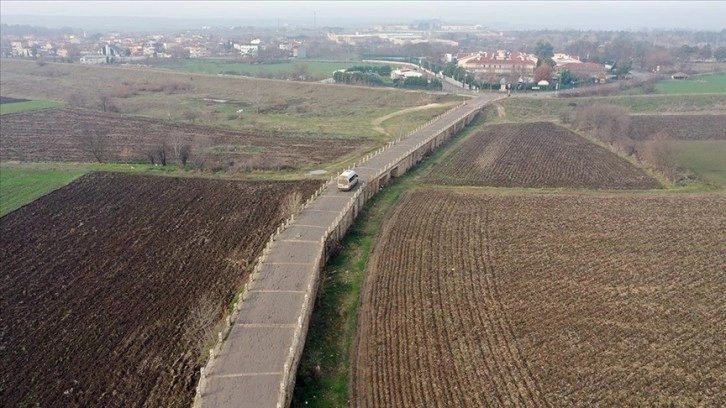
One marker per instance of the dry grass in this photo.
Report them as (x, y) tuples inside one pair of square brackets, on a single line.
[(308, 109)]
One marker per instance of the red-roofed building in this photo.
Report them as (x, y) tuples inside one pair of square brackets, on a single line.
[(501, 62), (585, 70)]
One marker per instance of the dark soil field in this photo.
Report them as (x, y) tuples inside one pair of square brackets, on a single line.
[(82, 135), (612, 300), (111, 285), (536, 155), (678, 127)]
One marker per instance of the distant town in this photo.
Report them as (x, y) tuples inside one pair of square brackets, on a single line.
[(470, 56)]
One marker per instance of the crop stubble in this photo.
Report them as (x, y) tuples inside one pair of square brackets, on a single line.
[(100, 277), (476, 300), (537, 155), (62, 134)]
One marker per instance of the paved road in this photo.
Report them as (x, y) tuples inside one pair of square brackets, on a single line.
[(253, 361)]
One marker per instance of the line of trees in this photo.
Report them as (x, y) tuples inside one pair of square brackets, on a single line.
[(382, 70), (357, 78), (611, 125), (419, 83)]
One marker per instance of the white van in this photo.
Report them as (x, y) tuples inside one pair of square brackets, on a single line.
[(347, 180)]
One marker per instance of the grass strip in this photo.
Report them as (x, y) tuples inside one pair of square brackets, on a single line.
[(17, 107), (324, 373)]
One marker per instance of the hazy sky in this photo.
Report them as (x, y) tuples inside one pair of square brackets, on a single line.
[(709, 15)]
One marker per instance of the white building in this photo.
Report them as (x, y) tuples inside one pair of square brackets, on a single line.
[(405, 73)]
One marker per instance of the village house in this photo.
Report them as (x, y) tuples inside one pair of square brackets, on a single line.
[(500, 62), (585, 71)]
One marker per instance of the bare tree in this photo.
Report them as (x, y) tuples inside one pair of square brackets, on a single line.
[(291, 204), (76, 100), (300, 72), (151, 155), (94, 142), (105, 101), (202, 320), (161, 150), (606, 122), (182, 151), (658, 151)]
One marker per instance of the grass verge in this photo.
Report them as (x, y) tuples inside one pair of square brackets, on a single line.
[(324, 373), (17, 107)]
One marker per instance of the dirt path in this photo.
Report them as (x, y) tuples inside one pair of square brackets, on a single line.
[(377, 121)]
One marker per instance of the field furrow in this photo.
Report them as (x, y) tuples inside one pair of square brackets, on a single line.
[(80, 135), (536, 155), (120, 279), (545, 300)]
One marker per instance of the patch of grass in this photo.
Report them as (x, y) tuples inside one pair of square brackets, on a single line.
[(699, 84), (706, 158), (322, 69), (22, 186), (301, 108), (17, 107), (401, 125)]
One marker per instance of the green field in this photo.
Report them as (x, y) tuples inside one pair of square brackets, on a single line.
[(699, 84), (21, 186), (706, 158), (318, 69), (16, 107)]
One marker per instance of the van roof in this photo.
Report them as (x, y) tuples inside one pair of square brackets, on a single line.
[(348, 173)]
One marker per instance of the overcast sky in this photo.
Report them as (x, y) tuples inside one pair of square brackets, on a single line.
[(605, 15)]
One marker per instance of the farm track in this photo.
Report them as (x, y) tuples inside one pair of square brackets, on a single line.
[(102, 278), (474, 299), (78, 134), (536, 155)]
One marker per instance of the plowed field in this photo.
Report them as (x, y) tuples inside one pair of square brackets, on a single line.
[(536, 155), (100, 279), (477, 300), (75, 134), (679, 127)]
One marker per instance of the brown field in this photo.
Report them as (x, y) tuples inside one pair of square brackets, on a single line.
[(613, 300), (537, 155), (299, 108), (79, 134), (111, 285), (679, 127)]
